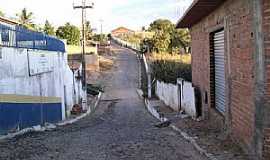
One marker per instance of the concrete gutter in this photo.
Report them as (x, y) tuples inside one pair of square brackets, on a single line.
[(49, 127), (190, 139)]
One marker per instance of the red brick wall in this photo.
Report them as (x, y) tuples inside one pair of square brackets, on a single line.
[(266, 31), (239, 17)]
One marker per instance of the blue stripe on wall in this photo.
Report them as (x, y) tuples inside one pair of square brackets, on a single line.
[(14, 115)]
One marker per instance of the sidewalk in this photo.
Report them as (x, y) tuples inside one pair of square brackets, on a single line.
[(205, 136)]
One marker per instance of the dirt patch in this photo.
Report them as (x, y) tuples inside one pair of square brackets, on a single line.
[(212, 138), (105, 63)]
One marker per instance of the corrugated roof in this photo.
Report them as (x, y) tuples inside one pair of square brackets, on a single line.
[(197, 11)]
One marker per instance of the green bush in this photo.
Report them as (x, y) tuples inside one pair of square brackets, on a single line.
[(169, 71)]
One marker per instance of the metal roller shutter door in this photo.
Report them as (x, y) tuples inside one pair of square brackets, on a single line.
[(220, 97)]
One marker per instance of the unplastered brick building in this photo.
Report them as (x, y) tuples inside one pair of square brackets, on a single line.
[(231, 67)]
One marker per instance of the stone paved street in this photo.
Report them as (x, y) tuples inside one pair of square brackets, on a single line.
[(121, 128)]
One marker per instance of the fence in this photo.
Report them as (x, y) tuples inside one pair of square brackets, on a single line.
[(126, 44), (20, 37)]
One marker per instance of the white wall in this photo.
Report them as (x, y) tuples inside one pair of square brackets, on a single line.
[(170, 95), (188, 103), (15, 78)]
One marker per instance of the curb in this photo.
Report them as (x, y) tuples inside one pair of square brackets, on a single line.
[(40, 128), (140, 93), (182, 133), (71, 121)]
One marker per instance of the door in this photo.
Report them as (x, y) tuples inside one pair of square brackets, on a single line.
[(220, 96)]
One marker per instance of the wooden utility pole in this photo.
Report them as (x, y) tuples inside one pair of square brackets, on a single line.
[(83, 7), (101, 26)]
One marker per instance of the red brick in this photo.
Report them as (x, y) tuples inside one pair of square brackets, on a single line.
[(241, 63), (240, 18)]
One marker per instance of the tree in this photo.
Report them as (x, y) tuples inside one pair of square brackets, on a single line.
[(48, 28), (2, 14), (26, 19), (69, 32), (162, 24), (143, 28), (164, 30), (88, 31), (167, 38), (181, 39)]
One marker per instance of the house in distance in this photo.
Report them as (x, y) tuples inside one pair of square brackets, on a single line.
[(121, 31)]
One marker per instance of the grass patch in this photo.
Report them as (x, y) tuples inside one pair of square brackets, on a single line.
[(182, 58), (72, 49), (105, 64)]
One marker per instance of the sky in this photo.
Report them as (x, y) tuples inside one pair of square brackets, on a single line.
[(133, 14)]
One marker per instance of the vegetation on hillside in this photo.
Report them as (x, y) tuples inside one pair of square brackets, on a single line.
[(161, 37)]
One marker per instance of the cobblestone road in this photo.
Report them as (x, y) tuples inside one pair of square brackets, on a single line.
[(120, 128)]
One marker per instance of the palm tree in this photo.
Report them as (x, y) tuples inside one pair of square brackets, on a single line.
[(25, 18)]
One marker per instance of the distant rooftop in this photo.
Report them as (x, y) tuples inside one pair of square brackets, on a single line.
[(124, 28)]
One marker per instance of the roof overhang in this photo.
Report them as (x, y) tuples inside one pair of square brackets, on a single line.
[(197, 11), (8, 21)]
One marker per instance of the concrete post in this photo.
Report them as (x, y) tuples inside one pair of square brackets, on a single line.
[(84, 100), (149, 85), (261, 112)]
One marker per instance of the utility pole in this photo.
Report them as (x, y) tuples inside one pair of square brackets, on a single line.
[(101, 26), (83, 7), (101, 30)]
